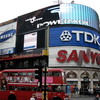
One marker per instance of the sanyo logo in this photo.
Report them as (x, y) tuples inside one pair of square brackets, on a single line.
[(6, 35)]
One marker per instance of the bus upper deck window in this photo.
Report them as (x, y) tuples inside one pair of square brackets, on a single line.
[(30, 74), (6, 74), (49, 74), (22, 74), (13, 74)]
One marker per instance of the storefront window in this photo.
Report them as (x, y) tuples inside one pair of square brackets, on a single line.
[(71, 75)]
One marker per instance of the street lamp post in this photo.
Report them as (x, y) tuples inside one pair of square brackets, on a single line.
[(45, 71)]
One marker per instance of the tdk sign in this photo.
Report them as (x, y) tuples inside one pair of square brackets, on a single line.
[(7, 35), (74, 36), (65, 36)]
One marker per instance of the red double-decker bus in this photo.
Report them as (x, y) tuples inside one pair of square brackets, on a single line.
[(20, 84)]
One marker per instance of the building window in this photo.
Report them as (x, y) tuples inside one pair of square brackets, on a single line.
[(95, 76), (6, 65), (84, 74), (26, 64), (71, 74)]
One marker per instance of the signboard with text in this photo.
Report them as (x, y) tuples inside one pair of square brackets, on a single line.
[(72, 35), (79, 14), (38, 19), (74, 45), (8, 38), (30, 41), (70, 56), (58, 14)]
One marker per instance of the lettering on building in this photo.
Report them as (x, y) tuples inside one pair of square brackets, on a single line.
[(78, 57)]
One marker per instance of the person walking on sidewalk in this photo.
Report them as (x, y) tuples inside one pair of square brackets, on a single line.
[(33, 97), (96, 97), (76, 89)]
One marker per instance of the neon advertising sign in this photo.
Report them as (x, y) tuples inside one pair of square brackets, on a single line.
[(78, 57), (74, 45), (74, 36)]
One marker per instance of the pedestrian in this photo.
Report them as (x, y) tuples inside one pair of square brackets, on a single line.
[(3, 84), (76, 89), (96, 97), (69, 97), (33, 97)]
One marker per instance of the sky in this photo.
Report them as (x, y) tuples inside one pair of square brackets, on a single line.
[(10, 9)]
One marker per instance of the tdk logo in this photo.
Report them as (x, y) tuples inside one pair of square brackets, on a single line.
[(66, 36), (6, 35), (87, 36)]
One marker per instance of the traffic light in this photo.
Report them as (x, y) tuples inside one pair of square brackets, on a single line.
[(38, 75)]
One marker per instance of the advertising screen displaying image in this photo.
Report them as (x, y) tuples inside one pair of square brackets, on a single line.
[(30, 41), (74, 35), (58, 14), (7, 51), (79, 14), (38, 19)]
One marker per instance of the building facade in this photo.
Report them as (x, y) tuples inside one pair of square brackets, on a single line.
[(61, 36)]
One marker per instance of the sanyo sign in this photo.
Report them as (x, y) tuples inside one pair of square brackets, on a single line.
[(78, 56), (74, 56), (75, 36)]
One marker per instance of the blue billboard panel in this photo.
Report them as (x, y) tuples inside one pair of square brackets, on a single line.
[(8, 38), (79, 14), (7, 35), (7, 51), (74, 36)]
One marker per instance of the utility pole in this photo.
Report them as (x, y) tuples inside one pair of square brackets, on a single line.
[(58, 2), (45, 71)]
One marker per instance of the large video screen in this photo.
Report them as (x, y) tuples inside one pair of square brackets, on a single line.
[(30, 41)]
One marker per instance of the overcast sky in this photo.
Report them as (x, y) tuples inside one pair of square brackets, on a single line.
[(10, 9)]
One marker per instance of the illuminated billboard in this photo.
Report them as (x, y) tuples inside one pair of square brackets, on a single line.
[(72, 35), (30, 41), (8, 38), (38, 19), (74, 45), (58, 14), (69, 56), (79, 14)]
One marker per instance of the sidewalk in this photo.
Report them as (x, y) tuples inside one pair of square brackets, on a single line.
[(73, 95)]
